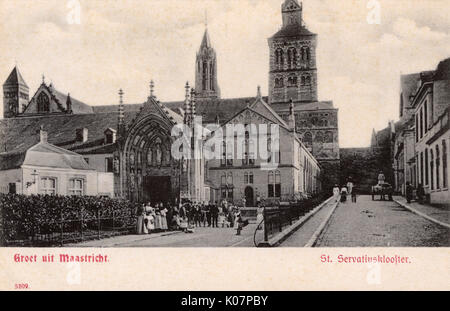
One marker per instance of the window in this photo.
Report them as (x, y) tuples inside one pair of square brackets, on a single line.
[(274, 185), (205, 75), (292, 81), (292, 58), (109, 165), (417, 127), (426, 167), (279, 58), (421, 168), (76, 186), (305, 53), (437, 167), (230, 179), (224, 179), (248, 178), (109, 138), (87, 160), (307, 138), (426, 116), (223, 160), (421, 122), (48, 185), (43, 103), (444, 165), (279, 82), (431, 170)]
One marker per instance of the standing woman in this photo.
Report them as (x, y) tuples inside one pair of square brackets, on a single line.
[(140, 219), (163, 212)]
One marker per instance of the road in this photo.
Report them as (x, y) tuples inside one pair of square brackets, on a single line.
[(370, 223)]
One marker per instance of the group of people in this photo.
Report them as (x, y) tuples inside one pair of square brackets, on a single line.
[(341, 193), (186, 217)]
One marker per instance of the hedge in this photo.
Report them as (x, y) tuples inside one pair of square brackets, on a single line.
[(22, 217)]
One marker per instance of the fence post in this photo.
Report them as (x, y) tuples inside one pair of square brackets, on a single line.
[(81, 223), (98, 223), (61, 237)]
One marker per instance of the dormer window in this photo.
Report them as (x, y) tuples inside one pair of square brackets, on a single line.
[(110, 136), (81, 135)]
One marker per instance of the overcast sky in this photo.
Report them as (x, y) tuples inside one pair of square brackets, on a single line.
[(124, 44)]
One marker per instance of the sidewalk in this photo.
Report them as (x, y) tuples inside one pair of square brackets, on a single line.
[(117, 241), (438, 215)]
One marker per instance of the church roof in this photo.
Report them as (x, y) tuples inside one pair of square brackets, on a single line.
[(15, 78), (77, 105), (292, 31), (19, 134)]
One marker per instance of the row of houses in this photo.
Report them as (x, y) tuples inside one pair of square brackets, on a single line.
[(421, 137)]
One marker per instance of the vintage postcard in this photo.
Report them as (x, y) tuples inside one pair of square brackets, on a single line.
[(243, 144)]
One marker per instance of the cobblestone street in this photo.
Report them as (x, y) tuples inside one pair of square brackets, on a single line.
[(379, 224), (202, 237)]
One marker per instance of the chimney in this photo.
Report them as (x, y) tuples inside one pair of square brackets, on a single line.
[(69, 104), (81, 135), (43, 136)]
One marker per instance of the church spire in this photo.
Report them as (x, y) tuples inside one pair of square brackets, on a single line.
[(206, 86)]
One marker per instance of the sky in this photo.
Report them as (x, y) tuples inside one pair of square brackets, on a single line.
[(125, 44)]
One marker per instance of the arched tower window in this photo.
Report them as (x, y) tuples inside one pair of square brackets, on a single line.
[(211, 77), (279, 58), (279, 82), (292, 81), (43, 103), (292, 58), (307, 138), (205, 75)]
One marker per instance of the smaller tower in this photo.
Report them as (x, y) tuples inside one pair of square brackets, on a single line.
[(121, 116), (15, 94), (206, 85), (291, 120)]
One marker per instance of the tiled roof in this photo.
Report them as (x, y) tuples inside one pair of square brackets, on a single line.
[(19, 134), (408, 85), (78, 107), (48, 155), (15, 78), (443, 70), (292, 31)]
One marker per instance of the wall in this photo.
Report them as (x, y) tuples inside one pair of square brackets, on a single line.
[(62, 177)]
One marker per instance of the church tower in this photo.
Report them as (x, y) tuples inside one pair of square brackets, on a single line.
[(206, 86), (293, 72), (15, 94)]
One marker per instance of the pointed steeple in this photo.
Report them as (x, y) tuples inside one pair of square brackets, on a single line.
[(206, 85), (206, 41), (15, 78), (17, 92)]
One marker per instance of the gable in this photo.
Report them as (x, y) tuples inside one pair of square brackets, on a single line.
[(265, 110)]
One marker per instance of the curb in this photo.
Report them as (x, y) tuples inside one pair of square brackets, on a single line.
[(318, 232), (280, 237), (422, 214)]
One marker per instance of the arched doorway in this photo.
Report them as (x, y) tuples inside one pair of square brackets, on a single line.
[(249, 201)]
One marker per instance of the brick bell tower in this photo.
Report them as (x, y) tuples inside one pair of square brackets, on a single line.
[(206, 86), (293, 72), (15, 94)]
